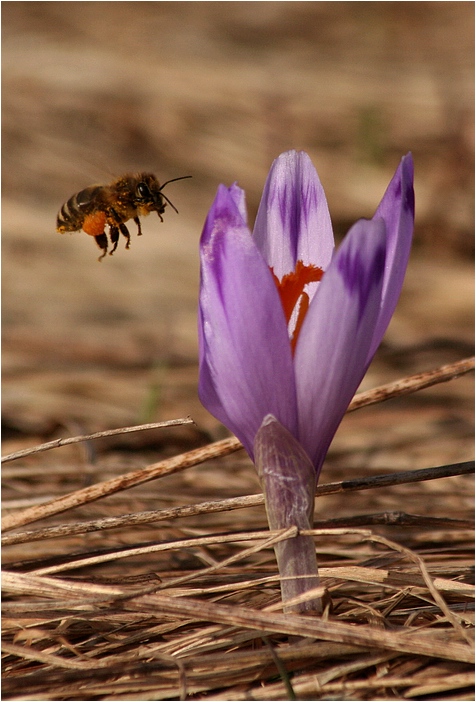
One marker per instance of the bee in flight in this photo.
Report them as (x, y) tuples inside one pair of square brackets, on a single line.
[(128, 197)]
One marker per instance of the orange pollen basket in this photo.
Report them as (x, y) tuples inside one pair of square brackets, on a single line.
[(94, 223), (291, 293)]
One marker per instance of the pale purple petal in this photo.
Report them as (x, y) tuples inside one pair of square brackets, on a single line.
[(397, 209), (238, 196), (333, 346), (293, 221), (245, 357)]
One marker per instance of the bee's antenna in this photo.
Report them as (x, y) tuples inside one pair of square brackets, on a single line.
[(165, 196), (173, 181), (170, 203)]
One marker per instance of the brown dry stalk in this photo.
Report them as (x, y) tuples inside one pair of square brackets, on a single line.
[(34, 654), (122, 482), (312, 684), (220, 448), (149, 516), (412, 383), (417, 644), (97, 435), (439, 601), (39, 583), (421, 642), (274, 536)]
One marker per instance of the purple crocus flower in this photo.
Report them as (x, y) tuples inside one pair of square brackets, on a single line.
[(288, 328)]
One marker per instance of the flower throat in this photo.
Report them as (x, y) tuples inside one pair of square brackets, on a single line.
[(291, 293)]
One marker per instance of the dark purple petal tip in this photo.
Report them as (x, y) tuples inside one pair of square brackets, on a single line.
[(362, 269), (408, 194)]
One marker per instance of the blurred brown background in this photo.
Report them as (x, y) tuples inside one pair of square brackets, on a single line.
[(217, 90)]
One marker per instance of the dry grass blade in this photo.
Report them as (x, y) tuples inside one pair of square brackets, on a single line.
[(467, 636), (43, 586), (221, 448), (442, 646), (184, 543), (97, 435), (123, 482), (439, 684), (374, 576), (38, 582), (413, 383), (377, 481), (418, 644), (400, 625), (305, 685), (33, 654)]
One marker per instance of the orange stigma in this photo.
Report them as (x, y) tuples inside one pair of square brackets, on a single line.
[(291, 293)]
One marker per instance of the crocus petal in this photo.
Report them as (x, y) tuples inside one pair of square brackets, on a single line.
[(332, 349), (245, 357), (397, 209), (293, 222), (237, 194)]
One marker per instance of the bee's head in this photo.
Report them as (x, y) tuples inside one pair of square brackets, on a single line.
[(148, 193)]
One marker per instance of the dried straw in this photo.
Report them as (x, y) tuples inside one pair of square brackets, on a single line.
[(399, 626)]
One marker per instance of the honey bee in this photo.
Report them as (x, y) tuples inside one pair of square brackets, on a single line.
[(128, 197)]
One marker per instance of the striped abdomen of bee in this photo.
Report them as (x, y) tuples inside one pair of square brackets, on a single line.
[(86, 210)]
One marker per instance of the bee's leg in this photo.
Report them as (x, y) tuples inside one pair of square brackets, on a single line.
[(114, 234), (101, 241), (139, 230), (125, 232), (160, 215)]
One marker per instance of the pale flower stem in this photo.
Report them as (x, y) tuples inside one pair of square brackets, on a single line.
[(288, 479), (297, 566)]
